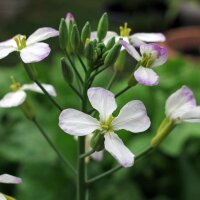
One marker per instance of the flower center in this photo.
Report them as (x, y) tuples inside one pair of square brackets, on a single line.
[(15, 86), (20, 41), (147, 60), (124, 30), (107, 126)]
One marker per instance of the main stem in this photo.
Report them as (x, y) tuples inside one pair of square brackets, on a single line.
[(81, 178)]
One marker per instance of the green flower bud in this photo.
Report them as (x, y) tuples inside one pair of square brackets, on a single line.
[(112, 56), (28, 110), (85, 33), (90, 53), (63, 34), (75, 38), (119, 64), (66, 71), (97, 141), (102, 27), (110, 43)]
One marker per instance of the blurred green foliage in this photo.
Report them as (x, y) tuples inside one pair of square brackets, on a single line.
[(170, 172)]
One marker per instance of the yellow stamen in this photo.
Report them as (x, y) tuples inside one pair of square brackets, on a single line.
[(20, 41), (124, 30), (15, 85), (107, 126)]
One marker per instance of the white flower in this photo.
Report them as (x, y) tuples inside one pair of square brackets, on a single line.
[(32, 49), (181, 106), (135, 39), (18, 96), (152, 55), (132, 117)]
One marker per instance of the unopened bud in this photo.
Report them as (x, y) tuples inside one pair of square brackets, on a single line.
[(110, 43), (102, 27), (85, 33), (75, 38), (28, 110), (63, 34), (97, 141)]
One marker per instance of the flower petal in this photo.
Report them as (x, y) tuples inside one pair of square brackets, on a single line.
[(136, 42), (77, 123), (192, 116), (150, 37), (9, 43), (158, 54), (42, 34), (2, 197), (35, 88), (132, 117), (179, 103), (13, 99), (6, 178), (146, 76), (103, 101), (130, 49), (97, 155), (35, 52), (5, 51), (115, 146)]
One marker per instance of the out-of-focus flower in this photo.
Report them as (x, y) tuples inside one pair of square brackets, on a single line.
[(18, 94), (135, 39), (151, 56), (32, 49), (181, 106), (132, 117)]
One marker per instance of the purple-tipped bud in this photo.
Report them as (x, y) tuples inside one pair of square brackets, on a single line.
[(69, 17)]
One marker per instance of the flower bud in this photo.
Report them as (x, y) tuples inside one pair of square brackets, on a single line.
[(163, 131), (75, 38), (119, 64), (102, 27), (97, 141), (28, 110), (63, 34), (85, 33), (66, 71), (112, 56), (110, 43)]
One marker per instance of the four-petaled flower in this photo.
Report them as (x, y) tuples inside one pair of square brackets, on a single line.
[(132, 117), (152, 55), (18, 94), (135, 39), (32, 49), (8, 179), (181, 106)]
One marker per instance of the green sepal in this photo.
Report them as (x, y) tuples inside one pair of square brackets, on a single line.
[(112, 56), (66, 71), (120, 62), (75, 38), (85, 33), (97, 141), (28, 110), (63, 34), (102, 27)]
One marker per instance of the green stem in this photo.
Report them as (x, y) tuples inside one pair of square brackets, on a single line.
[(82, 63), (87, 154), (95, 74), (112, 80), (48, 95), (118, 167), (122, 91), (75, 91), (60, 156)]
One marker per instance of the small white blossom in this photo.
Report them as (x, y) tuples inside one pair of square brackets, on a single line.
[(32, 49), (132, 117), (18, 96), (181, 106)]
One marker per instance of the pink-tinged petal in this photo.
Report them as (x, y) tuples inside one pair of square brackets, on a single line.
[(13, 99), (2, 197), (136, 42), (131, 50), (159, 54), (77, 123), (132, 117), (146, 76), (97, 155), (9, 43), (35, 52), (115, 146), (9, 179), (103, 101), (41, 34), (35, 88), (179, 103), (5, 51), (150, 37), (192, 116), (69, 17)]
